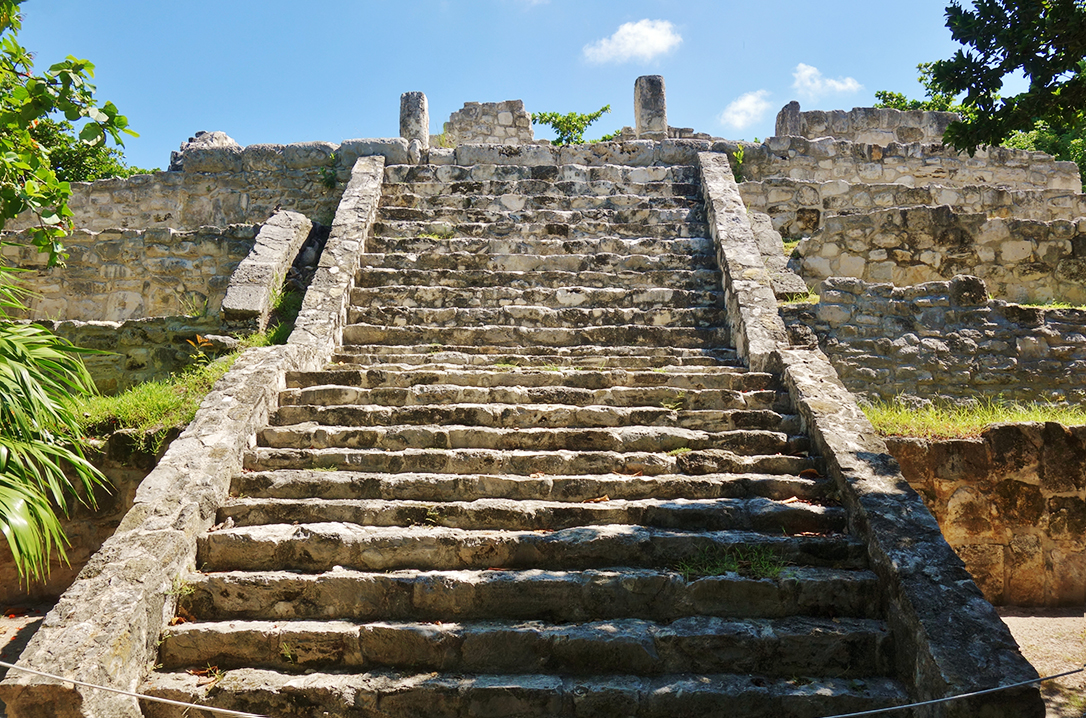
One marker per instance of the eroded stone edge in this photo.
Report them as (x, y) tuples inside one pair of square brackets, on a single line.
[(105, 628), (949, 640), (262, 272)]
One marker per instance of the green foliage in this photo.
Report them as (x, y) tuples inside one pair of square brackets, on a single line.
[(74, 160), (737, 163), (961, 419), (570, 127), (27, 178), (937, 100), (1063, 143), (328, 174), (1043, 39)]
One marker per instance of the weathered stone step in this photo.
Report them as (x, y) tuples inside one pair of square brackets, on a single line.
[(556, 298), (623, 439), (395, 695), (611, 245), (529, 195), (455, 216), (511, 228), (323, 546), (540, 317), (659, 595), (515, 336), (844, 648), (664, 397), (583, 189), (695, 280), (296, 484), (573, 263), (431, 357), (524, 463), (395, 174), (520, 416), (734, 514), (724, 377)]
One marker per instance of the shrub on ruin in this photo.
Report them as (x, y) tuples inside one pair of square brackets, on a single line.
[(569, 128)]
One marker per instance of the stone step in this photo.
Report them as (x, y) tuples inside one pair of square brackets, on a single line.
[(333, 485), (558, 596), (509, 228), (530, 195), (681, 279), (455, 216), (623, 190), (724, 377), (737, 514), (376, 694), (323, 546), (520, 416), (442, 174), (524, 462), (664, 397), (516, 336), (842, 647), (524, 316), (555, 298), (611, 245), (529, 263), (440, 357), (623, 439)]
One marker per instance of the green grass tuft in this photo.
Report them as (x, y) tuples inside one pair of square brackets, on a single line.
[(790, 248), (943, 420), (749, 561)]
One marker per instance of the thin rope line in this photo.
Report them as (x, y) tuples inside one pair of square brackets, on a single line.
[(954, 698), (156, 699)]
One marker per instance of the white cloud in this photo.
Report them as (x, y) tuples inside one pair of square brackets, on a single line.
[(811, 85), (747, 109), (641, 40)]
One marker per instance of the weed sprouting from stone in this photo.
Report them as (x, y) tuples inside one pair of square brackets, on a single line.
[(749, 561)]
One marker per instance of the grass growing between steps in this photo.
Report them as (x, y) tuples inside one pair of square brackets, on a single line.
[(943, 420), (749, 561)]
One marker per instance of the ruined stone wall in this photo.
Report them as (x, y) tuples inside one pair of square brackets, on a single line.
[(1012, 503), (1019, 260), (115, 275), (944, 341), (908, 164), (799, 208), (504, 123), (872, 125)]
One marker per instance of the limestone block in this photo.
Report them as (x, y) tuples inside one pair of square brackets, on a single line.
[(394, 150), (415, 118), (262, 158), (1025, 573), (303, 155), (531, 155), (986, 565), (641, 153), (214, 159)]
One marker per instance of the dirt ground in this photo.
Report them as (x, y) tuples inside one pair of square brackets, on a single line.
[(1054, 641)]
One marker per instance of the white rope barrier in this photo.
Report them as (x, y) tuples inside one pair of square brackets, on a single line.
[(954, 698), (156, 699)]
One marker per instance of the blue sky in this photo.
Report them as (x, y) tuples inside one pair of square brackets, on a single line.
[(278, 71)]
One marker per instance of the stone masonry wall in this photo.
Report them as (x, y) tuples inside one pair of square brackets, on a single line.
[(944, 341), (1012, 503), (115, 274), (799, 208), (908, 164), (1019, 260), (871, 125), (505, 123)]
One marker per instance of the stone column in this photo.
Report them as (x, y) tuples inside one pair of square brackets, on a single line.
[(415, 118), (650, 107), (789, 122)]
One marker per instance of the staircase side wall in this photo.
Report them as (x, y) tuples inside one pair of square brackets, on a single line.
[(949, 640)]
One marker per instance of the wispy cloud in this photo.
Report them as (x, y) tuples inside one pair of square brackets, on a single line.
[(811, 85), (745, 110), (641, 40)]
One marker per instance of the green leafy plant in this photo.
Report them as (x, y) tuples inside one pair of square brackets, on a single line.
[(569, 128), (201, 346), (677, 403), (328, 174), (737, 163)]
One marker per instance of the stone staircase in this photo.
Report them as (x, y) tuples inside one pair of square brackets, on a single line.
[(534, 481)]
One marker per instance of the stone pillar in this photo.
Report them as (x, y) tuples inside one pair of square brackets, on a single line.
[(415, 118), (650, 107), (789, 123)]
